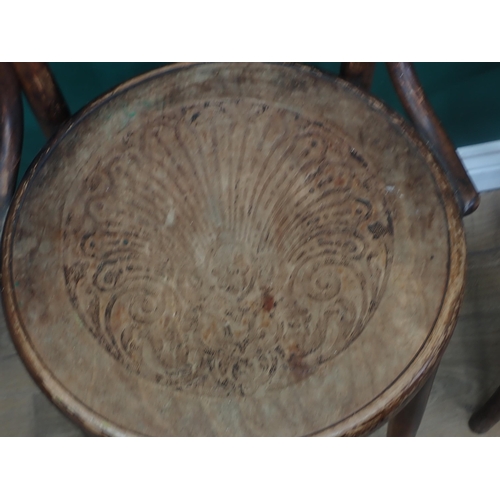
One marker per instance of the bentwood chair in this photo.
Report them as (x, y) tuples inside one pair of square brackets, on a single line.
[(233, 249)]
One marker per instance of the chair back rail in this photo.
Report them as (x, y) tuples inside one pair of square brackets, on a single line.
[(43, 94), (51, 110), (358, 73), (11, 135), (416, 104)]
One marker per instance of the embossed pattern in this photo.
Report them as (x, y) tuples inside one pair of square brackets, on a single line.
[(243, 249), (276, 241)]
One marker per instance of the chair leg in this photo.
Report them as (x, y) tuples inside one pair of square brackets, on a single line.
[(407, 421), (487, 416)]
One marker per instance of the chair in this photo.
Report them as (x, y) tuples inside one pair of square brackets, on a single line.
[(233, 249)]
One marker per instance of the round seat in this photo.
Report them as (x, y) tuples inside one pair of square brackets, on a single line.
[(233, 249)]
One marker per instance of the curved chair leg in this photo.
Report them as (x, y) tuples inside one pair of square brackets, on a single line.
[(487, 416), (407, 421)]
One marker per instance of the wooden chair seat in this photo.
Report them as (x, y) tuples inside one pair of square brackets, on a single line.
[(244, 249)]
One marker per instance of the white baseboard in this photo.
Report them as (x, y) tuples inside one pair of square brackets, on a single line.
[(482, 162)]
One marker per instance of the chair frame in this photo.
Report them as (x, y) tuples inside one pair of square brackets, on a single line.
[(51, 111)]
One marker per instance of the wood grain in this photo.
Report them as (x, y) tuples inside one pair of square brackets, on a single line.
[(11, 135), (250, 262), (43, 94), (469, 372), (417, 106)]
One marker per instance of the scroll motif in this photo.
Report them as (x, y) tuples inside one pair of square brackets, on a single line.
[(227, 248)]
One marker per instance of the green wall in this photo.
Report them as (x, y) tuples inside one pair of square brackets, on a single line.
[(466, 96)]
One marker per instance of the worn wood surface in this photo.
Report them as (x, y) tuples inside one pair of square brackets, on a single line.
[(358, 73), (407, 420), (243, 257), (11, 135), (468, 374), (427, 123)]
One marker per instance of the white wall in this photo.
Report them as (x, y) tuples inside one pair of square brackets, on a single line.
[(482, 162)]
